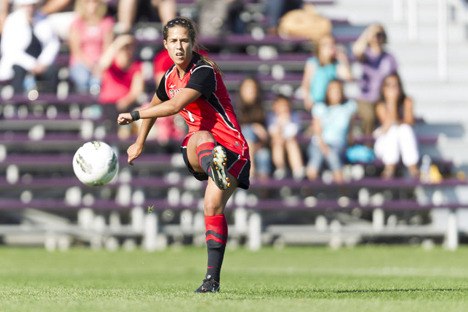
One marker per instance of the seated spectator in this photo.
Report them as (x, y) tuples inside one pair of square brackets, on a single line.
[(59, 13), (283, 127), (90, 35), (122, 80), (330, 127), (395, 136), (252, 119), (329, 63), (376, 63), (29, 48), (131, 11)]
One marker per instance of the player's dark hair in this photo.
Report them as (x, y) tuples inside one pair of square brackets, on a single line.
[(191, 27), (183, 22)]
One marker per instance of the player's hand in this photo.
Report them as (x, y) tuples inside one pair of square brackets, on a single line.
[(133, 152), (124, 119)]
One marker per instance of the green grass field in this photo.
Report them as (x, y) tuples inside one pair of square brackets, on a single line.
[(372, 278)]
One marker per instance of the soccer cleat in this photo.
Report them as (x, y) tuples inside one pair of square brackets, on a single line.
[(218, 170), (208, 285)]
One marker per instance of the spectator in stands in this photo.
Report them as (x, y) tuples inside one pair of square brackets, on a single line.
[(275, 9), (131, 11), (29, 48), (376, 64), (122, 80), (283, 127), (252, 119), (59, 13), (90, 35), (395, 136), (330, 127), (330, 63), (214, 149)]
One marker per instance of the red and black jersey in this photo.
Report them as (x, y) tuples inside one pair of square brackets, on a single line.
[(213, 110)]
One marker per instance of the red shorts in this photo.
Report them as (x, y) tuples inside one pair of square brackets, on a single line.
[(237, 165)]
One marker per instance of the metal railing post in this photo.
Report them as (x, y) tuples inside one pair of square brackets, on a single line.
[(398, 11), (442, 39), (413, 20)]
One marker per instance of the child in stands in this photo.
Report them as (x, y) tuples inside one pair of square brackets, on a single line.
[(283, 127), (330, 126)]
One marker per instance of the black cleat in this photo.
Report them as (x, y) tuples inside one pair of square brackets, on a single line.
[(218, 170), (208, 285)]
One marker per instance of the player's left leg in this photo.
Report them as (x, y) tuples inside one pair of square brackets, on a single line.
[(216, 232), (205, 156)]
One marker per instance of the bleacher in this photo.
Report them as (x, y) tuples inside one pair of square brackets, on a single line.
[(41, 202)]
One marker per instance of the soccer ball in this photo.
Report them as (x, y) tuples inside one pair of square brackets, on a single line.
[(95, 163)]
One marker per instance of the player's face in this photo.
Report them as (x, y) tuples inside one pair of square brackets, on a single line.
[(179, 46)]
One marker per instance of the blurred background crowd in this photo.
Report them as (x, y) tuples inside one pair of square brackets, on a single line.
[(365, 96), (96, 40)]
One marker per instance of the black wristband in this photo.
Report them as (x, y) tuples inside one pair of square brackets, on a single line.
[(135, 115)]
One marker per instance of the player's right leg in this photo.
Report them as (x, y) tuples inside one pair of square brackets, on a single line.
[(216, 234)]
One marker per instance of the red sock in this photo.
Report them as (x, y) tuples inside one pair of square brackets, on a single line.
[(216, 238)]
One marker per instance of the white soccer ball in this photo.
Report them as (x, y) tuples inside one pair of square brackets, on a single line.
[(95, 163)]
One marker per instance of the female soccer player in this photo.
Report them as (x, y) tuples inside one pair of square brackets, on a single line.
[(214, 148)]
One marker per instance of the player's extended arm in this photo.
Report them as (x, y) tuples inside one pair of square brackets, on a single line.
[(135, 150), (166, 108)]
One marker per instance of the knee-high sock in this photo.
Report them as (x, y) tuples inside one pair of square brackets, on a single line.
[(216, 238), (204, 154)]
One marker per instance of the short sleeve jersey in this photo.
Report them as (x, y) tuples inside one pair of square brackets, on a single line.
[(335, 120), (213, 110)]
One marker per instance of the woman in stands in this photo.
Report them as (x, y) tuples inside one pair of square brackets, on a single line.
[(252, 118), (376, 62), (395, 136), (29, 48), (329, 63), (214, 148), (90, 35)]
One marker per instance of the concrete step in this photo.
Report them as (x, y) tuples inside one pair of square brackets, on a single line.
[(450, 149), (368, 11), (448, 91), (418, 48), (442, 111), (428, 72), (425, 33)]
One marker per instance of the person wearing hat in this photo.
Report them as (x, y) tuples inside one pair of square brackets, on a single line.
[(29, 48)]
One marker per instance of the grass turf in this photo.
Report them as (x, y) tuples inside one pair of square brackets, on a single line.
[(373, 278)]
